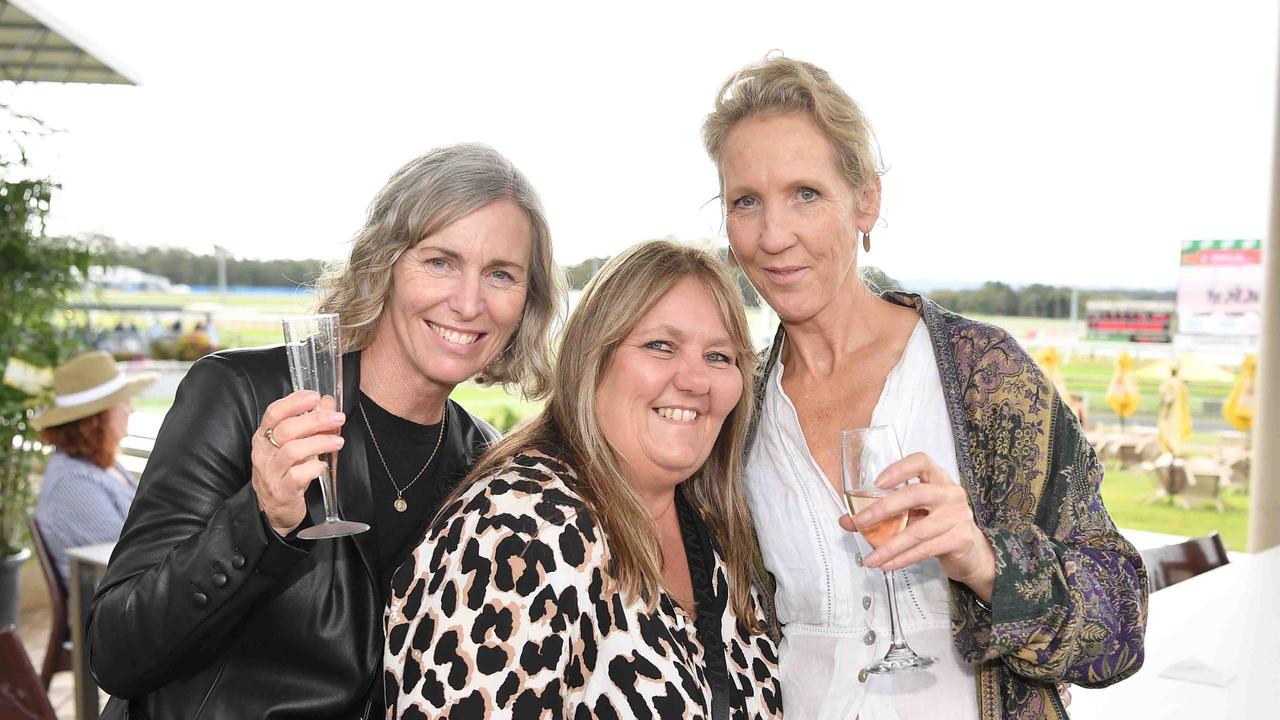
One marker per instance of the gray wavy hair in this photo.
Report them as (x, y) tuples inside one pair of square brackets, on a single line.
[(424, 196)]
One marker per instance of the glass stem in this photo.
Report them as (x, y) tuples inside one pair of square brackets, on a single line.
[(328, 491), (895, 625)]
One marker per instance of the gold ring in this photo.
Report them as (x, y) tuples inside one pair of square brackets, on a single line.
[(270, 435)]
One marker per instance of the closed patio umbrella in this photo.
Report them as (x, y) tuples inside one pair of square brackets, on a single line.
[(1173, 418), (1050, 360), (1242, 402), (1122, 392)]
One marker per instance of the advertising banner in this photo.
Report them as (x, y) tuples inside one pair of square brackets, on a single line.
[(1220, 288)]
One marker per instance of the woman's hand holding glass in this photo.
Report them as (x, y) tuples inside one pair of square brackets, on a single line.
[(283, 470), (941, 525)]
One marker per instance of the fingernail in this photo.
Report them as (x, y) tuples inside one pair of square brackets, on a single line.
[(337, 417), (340, 441), (871, 560)]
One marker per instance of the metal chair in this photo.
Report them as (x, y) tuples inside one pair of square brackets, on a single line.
[(57, 654), (21, 697), (1172, 564)]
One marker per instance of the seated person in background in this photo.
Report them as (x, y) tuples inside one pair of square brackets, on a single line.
[(598, 562), (86, 493)]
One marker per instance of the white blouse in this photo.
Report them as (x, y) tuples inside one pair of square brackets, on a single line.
[(835, 611)]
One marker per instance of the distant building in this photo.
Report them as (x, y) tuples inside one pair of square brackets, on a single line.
[(1145, 321), (132, 280)]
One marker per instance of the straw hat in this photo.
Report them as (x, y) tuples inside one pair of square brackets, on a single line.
[(86, 385)]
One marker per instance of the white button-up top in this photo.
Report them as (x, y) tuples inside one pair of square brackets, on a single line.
[(834, 611)]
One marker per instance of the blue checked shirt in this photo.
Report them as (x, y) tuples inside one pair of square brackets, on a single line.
[(81, 504)]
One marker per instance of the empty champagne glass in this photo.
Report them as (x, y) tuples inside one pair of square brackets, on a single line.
[(315, 363), (864, 454)]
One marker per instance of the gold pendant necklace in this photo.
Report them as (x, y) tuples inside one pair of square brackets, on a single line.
[(401, 504)]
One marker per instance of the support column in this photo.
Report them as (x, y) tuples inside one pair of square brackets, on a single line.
[(1264, 485)]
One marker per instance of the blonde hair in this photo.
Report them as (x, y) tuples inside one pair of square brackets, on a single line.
[(620, 294), (421, 198), (781, 85)]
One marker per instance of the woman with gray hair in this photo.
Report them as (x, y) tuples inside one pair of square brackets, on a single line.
[(212, 606)]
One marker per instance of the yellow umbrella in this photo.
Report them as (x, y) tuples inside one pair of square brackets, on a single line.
[(1190, 369), (1050, 361), (1122, 393), (1173, 418), (1241, 403)]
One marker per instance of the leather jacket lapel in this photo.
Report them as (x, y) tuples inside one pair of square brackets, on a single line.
[(354, 492)]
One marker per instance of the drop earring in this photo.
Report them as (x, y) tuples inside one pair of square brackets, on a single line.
[(866, 241)]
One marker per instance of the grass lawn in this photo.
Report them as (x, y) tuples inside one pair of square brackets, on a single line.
[(1125, 491), (1126, 494), (491, 403), (268, 303), (1090, 377), (254, 319)]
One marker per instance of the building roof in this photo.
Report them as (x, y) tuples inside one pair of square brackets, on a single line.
[(35, 46)]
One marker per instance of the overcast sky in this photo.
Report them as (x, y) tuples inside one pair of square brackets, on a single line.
[(1072, 143)]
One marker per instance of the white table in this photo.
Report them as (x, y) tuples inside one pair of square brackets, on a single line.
[(1228, 618), (87, 564)]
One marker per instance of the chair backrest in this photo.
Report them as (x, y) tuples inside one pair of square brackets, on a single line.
[(1174, 563), (21, 696), (52, 578)]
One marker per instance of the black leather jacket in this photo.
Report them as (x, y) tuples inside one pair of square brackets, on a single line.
[(204, 612)]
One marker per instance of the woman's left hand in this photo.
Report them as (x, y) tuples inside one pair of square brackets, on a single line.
[(941, 525)]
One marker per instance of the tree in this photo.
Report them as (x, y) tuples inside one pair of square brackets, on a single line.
[(180, 265), (994, 298), (35, 275)]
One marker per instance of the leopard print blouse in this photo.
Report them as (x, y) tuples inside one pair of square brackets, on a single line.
[(503, 611)]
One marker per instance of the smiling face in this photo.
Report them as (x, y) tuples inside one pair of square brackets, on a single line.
[(792, 217), (456, 298), (669, 387)]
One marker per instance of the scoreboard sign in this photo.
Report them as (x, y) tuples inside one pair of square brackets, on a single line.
[(1145, 321), (1220, 288)]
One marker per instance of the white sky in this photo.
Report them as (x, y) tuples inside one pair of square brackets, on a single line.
[(1077, 143)]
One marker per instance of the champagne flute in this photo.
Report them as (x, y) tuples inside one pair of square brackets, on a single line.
[(864, 454), (315, 363)]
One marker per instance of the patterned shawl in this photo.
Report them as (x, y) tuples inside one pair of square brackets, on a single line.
[(1070, 596)]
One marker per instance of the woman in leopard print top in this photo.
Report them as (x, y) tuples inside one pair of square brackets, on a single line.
[(598, 562)]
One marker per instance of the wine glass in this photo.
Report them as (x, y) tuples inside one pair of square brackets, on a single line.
[(864, 454), (315, 363)]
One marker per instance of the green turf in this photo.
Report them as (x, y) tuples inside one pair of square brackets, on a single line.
[(1127, 495), (491, 403), (244, 320), (266, 303), (495, 405)]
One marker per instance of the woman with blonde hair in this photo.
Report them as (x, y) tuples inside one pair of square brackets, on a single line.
[(598, 561), (1015, 576), (212, 605)]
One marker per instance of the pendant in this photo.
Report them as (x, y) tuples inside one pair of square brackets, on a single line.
[(401, 505)]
